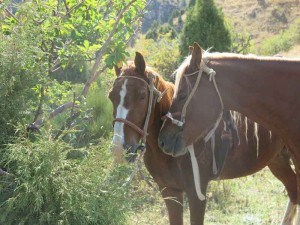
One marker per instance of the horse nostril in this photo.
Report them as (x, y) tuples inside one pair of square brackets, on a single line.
[(161, 143)]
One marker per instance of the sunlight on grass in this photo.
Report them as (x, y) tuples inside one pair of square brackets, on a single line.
[(254, 200)]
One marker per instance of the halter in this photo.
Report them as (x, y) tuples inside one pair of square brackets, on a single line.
[(211, 132), (152, 90), (211, 73)]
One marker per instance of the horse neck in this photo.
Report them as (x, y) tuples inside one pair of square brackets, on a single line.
[(265, 90)]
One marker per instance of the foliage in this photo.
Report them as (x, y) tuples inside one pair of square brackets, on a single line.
[(42, 44), (205, 25), (95, 119), (46, 43), (241, 42), (50, 188), (161, 54), (20, 72), (156, 30), (281, 42)]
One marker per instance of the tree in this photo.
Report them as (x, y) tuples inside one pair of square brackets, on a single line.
[(67, 33), (205, 25)]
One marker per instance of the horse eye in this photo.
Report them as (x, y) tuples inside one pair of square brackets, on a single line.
[(142, 95), (182, 96)]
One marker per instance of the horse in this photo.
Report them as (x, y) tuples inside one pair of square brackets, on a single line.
[(265, 89), (137, 115)]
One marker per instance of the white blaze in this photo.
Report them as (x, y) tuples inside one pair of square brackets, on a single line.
[(118, 137)]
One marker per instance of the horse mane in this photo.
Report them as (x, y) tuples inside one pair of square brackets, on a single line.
[(166, 100), (207, 56), (226, 55), (180, 72), (239, 119)]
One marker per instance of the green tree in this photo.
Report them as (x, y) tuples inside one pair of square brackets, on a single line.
[(205, 25), (46, 40)]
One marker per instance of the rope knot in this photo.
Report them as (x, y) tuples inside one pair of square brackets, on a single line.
[(208, 70)]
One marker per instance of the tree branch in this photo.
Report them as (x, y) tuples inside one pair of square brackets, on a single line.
[(90, 81), (95, 69), (101, 51), (11, 14)]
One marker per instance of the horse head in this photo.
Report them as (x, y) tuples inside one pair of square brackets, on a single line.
[(135, 95), (196, 110)]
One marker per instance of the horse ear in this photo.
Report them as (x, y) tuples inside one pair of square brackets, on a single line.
[(191, 48), (117, 70), (139, 62), (196, 56)]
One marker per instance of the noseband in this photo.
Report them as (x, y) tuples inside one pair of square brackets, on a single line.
[(152, 90), (211, 73)]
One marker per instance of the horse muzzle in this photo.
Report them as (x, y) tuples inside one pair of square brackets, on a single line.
[(170, 140)]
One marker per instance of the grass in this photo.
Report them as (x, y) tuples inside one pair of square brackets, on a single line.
[(259, 199), (259, 22)]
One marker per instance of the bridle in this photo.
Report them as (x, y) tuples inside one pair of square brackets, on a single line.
[(152, 90), (211, 132), (180, 123)]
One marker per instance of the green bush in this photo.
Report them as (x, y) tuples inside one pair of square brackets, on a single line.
[(281, 42), (49, 188), (20, 72), (162, 54)]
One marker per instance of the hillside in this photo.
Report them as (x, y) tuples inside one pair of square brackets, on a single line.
[(261, 18)]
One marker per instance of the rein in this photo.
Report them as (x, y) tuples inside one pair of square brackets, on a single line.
[(143, 132)]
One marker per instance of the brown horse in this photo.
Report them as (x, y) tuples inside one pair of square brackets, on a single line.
[(265, 89), (131, 97)]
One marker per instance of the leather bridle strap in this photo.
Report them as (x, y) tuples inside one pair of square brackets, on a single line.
[(132, 125), (152, 90)]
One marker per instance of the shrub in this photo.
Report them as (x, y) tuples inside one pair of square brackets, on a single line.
[(49, 188), (281, 42), (162, 54)]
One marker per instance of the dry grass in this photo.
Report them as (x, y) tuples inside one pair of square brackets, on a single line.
[(294, 52), (260, 22)]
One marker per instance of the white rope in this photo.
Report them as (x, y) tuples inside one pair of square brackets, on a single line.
[(174, 121), (289, 214), (212, 131), (297, 221), (196, 172)]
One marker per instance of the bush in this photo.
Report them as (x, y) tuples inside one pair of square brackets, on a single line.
[(281, 42), (20, 72), (162, 54), (49, 188)]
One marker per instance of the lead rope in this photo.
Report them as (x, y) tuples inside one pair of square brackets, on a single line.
[(210, 135), (180, 123), (196, 173)]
